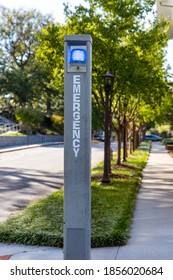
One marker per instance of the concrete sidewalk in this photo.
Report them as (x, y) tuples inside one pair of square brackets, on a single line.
[(152, 226)]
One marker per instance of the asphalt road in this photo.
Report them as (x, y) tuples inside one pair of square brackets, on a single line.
[(30, 174)]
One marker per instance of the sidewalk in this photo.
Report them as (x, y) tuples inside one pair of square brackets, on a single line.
[(152, 226)]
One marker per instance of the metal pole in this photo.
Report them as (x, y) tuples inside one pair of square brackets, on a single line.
[(125, 139), (77, 148), (105, 178)]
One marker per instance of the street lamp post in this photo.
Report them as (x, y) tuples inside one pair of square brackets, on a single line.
[(125, 132), (108, 83)]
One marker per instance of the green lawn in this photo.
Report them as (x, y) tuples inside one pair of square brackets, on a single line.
[(112, 209)]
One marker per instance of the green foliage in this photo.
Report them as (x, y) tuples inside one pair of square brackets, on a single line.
[(97, 118), (18, 82), (50, 53), (12, 133), (29, 118), (162, 130), (58, 123), (167, 141), (18, 35), (22, 77)]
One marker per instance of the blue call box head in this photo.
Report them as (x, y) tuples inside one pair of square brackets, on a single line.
[(78, 55)]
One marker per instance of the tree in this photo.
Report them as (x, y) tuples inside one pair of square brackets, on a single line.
[(19, 29), (51, 62), (19, 71)]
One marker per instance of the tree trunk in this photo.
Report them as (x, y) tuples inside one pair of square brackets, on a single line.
[(137, 136), (119, 147), (134, 137)]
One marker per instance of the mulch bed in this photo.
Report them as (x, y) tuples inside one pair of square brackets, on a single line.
[(111, 176), (117, 176), (124, 166)]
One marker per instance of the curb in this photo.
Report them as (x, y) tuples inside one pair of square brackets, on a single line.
[(18, 148)]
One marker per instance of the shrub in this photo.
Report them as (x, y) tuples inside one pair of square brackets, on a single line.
[(58, 123), (168, 141), (29, 118)]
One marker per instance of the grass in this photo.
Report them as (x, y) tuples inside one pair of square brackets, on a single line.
[(112, 209), (12, 133)]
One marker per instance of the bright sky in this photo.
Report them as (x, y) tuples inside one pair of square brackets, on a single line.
[(55, 7)]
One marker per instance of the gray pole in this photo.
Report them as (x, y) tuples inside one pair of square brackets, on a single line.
[(77, 147)]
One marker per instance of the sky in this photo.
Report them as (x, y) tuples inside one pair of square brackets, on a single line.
[(55, 7)]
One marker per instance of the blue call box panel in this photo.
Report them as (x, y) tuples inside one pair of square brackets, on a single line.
[(78, 55), (77, 58)]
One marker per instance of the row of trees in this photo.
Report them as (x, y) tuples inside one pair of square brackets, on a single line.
[(132, 52), (32, 62)]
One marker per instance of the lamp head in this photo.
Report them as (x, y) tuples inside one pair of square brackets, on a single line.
[(108, 80)]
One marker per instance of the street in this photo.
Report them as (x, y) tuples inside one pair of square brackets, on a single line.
[(30, 174)]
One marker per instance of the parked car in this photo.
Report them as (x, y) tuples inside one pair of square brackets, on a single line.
[(153, 137), (101, 138)]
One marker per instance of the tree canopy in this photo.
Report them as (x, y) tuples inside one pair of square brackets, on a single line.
[(32, 59), (21, 75)]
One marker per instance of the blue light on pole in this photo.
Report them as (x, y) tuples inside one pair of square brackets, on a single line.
[(78, 56)]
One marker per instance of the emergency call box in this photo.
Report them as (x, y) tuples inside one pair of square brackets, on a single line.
[(77, 146)]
